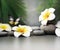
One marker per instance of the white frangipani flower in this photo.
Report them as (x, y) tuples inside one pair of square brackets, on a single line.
[(58, 24), (57, 31), (22, 30), (5, 27), (47, 14)]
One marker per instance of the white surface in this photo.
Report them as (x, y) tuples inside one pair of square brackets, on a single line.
[(32, 43)]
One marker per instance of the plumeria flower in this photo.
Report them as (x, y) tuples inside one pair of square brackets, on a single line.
[(57, 31), (47, 14), (12, 22), (22, 30), (5, 27)]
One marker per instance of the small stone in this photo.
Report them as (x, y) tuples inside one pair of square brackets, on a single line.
[(35, 27), (49, 29), (37, 32), (10, 33), (3, 34)]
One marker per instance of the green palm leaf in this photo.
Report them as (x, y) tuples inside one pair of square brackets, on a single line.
[(46, 4), (13, 8)]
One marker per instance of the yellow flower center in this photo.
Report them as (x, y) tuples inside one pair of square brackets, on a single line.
[(46, 15), (21, 30), (3, 27)]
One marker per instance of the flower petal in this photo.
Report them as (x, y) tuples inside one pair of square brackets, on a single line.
[(58, 24), (42, 13), (57, 31), (51, 10), (17, 20), (19, 25), (51, 16), (8, 29), (44, 22), (1, 29), (40, 18), (29, 28), (14, 28), (17, 34), (11, 19), (26, 34), (16, 23)]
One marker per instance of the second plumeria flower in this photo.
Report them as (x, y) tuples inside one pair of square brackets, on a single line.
[(57, 31), (22, 30), (47, 14), (5, 27)]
